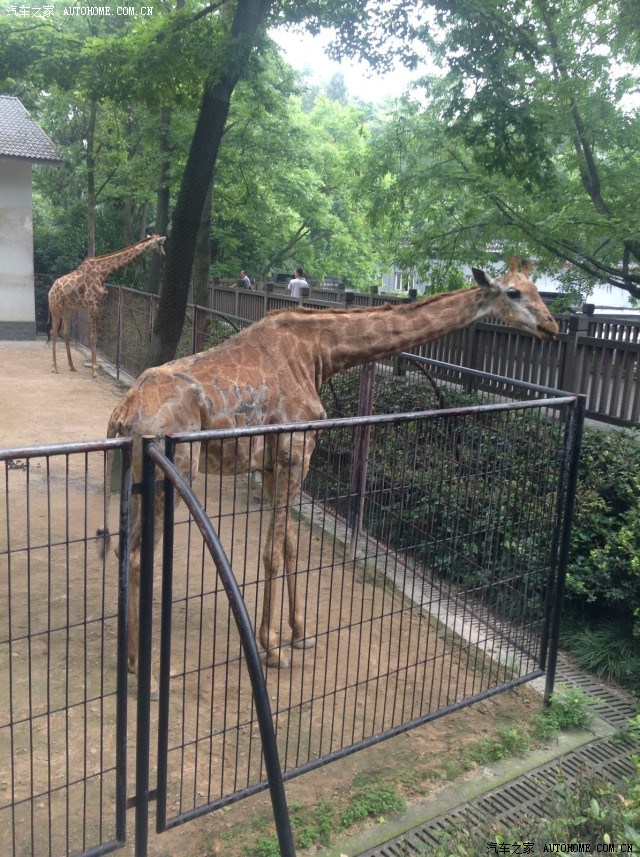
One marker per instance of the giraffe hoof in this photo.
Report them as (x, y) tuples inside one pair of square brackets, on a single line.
[(72, 369), (305, 643), (278, 660), (55, 371)]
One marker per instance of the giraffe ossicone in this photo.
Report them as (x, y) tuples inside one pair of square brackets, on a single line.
[(84, 289), (271, 373)]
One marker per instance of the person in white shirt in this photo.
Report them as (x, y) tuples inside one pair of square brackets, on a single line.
[(243, 281), (297, 283)]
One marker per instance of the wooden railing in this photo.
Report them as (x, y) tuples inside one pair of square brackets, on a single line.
[(594, 355)]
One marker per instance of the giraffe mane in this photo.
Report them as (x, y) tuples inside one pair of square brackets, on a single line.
[(307, 311), (116, 252)]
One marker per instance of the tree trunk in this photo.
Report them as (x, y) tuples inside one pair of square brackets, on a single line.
[(202, 259), (248, 16), (91, 180), (154, 272)]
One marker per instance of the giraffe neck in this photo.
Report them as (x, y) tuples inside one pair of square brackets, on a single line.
[(355, 337), (111, 262)]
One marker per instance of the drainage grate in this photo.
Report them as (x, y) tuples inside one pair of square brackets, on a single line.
[(530, 793)]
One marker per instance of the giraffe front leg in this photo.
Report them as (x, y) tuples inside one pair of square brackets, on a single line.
[(93, 337)]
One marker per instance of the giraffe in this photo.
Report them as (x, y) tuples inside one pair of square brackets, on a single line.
[(271, 373), (84, 288)]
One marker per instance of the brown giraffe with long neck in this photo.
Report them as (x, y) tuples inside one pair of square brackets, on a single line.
[(84, 289), (272, 373)]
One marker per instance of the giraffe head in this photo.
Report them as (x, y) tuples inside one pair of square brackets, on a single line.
[(157, 242), (514, 299)]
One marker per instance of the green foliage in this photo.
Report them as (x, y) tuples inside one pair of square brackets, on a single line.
[(604, 565), (471, 504), (509, 741), (373, 802), (570, 708), (266, 846), (530, 136), (485, 482), (607, 649), (590, 811)]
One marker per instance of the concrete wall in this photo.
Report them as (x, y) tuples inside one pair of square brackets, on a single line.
[(17, 299)]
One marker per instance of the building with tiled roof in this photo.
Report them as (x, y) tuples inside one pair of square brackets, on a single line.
[(22, 144), (21, 137)]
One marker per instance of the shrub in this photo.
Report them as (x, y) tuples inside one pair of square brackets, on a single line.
[(604, 563), (607, 649), (570, 708)]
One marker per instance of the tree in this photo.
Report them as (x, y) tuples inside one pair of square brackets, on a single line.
[(361, 29), (535, 93)]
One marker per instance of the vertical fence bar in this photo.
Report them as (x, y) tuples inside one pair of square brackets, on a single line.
[(119, 333), (144, 649), (361, 453), (165, 643), (123, 641), (571, 462)]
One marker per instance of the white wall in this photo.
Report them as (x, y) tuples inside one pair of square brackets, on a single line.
[(17, 301)]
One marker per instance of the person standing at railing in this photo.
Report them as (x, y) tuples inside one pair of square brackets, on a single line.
[(297, 283), (243, 281)]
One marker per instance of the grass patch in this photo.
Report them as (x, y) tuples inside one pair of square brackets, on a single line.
[(376, 798), (609, 650)]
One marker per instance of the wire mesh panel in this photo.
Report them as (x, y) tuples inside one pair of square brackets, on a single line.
[(62, 655), (422, 553)]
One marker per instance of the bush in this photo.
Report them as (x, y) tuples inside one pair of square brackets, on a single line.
[(604, 564), (471, 498), (489, 492), (607, 649)]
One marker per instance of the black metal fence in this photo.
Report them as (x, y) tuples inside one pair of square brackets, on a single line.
[(429, 549), (63, 661)]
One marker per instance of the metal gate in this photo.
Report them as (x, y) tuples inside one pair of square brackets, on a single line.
[(428, 551)]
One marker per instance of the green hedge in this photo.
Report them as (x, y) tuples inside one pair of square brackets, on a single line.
[(604, 566), (484, 474)]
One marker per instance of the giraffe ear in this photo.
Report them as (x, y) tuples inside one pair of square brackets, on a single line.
[(482, 278)]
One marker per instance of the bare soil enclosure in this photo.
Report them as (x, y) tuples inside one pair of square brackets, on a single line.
[(60, 683)]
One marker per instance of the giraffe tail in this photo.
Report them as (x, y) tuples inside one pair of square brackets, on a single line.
[(103, 534)]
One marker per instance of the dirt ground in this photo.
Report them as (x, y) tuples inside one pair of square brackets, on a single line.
[(37, 407)]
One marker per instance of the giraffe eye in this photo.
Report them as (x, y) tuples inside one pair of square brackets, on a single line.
[(514, 293)]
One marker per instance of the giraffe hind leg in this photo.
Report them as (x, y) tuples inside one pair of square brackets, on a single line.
[(297, 612), (53, 333), (66, 326), (279, 557)]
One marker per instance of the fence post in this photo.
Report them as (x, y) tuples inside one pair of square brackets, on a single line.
[(119, 335), (470, 347), (145, 608), (361, 453), (567, 377), (567, 495)]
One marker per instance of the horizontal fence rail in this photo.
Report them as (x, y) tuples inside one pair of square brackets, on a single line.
[(595, 356)]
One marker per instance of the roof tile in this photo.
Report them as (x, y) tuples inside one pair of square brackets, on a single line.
[(21, 136)]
